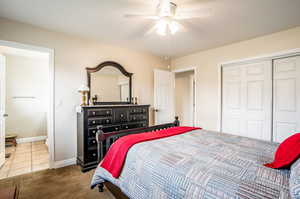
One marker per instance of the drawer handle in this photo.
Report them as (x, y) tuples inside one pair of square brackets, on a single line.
[(107, 121), (94, 154), (107, 112), (126, 127), (94, 141), (94, 131), (122, 115), (117, 128), (94, 122), (94, 113)]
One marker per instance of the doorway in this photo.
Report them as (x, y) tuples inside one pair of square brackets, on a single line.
[(26, 109), (185, 96)]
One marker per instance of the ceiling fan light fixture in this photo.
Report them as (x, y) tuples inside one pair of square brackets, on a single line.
[(173, 26), (164, 26), (166, 8), (161, 27), (168, 19)]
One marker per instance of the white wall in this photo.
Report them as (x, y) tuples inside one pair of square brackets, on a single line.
[(184, 97), (72, 55), (26, 77), (207, 71)]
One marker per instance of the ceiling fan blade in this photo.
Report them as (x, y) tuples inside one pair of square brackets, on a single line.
[(141, 16), (151, 30), (183, 17), (192, 26), (140, 31), (181, 27)]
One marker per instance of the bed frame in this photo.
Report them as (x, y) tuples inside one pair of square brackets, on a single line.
[(105, 140)]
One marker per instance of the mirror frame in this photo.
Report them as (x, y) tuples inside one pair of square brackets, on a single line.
[(117, 66)]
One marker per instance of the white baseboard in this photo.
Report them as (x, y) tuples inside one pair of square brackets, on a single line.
[(64, 163), (31, 139)]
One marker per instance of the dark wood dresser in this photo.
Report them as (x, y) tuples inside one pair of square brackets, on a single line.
[(112, 118)]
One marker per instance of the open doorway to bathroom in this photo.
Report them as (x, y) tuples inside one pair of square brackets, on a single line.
[(185, 96), (24, 110)]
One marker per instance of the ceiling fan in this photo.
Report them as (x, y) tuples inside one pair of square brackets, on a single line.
[(167, 17)]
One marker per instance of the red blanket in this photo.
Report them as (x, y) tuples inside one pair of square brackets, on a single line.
[(116, 155)]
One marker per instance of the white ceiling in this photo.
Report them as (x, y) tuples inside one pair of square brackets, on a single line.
[(231, 21)]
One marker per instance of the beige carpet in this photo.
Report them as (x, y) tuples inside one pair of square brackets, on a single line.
[(63, 183)]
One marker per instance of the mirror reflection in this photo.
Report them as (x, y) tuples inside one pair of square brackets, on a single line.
[(109, 85)]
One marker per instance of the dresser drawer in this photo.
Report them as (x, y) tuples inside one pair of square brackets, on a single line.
[(121, 115), (99, 121), (143, 124), (111, 128), (134, 125), (91, 155), (137, 117), (92, 132), (92, 142), (97, 112), (138, 110)]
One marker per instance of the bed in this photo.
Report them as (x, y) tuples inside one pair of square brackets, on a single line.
[(197, 164)]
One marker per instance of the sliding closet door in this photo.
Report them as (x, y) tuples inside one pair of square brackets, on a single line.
[(257, 100), (231, 99), (286, 115), (247, 102)]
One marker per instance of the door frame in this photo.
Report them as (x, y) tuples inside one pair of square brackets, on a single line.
[(2, 108), (194, 69), (270, 57), (50, 112)]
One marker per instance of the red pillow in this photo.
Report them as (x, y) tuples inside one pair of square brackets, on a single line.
[(287, 152)]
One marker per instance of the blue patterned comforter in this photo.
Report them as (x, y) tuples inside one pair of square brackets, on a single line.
[(200, 164)]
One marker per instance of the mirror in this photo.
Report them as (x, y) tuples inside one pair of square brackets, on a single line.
[(109, 83)]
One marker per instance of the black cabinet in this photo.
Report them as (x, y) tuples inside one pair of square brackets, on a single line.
[(112, 118)]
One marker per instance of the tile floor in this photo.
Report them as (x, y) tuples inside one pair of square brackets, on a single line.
[(25, 158)]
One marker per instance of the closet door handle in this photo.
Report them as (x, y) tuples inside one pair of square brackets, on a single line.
[(5, 115)]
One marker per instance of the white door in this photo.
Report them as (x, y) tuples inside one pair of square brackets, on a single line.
[(286, 88), (164, 106), (247, 100), (257, 103), (2, 109), (231, 99)]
